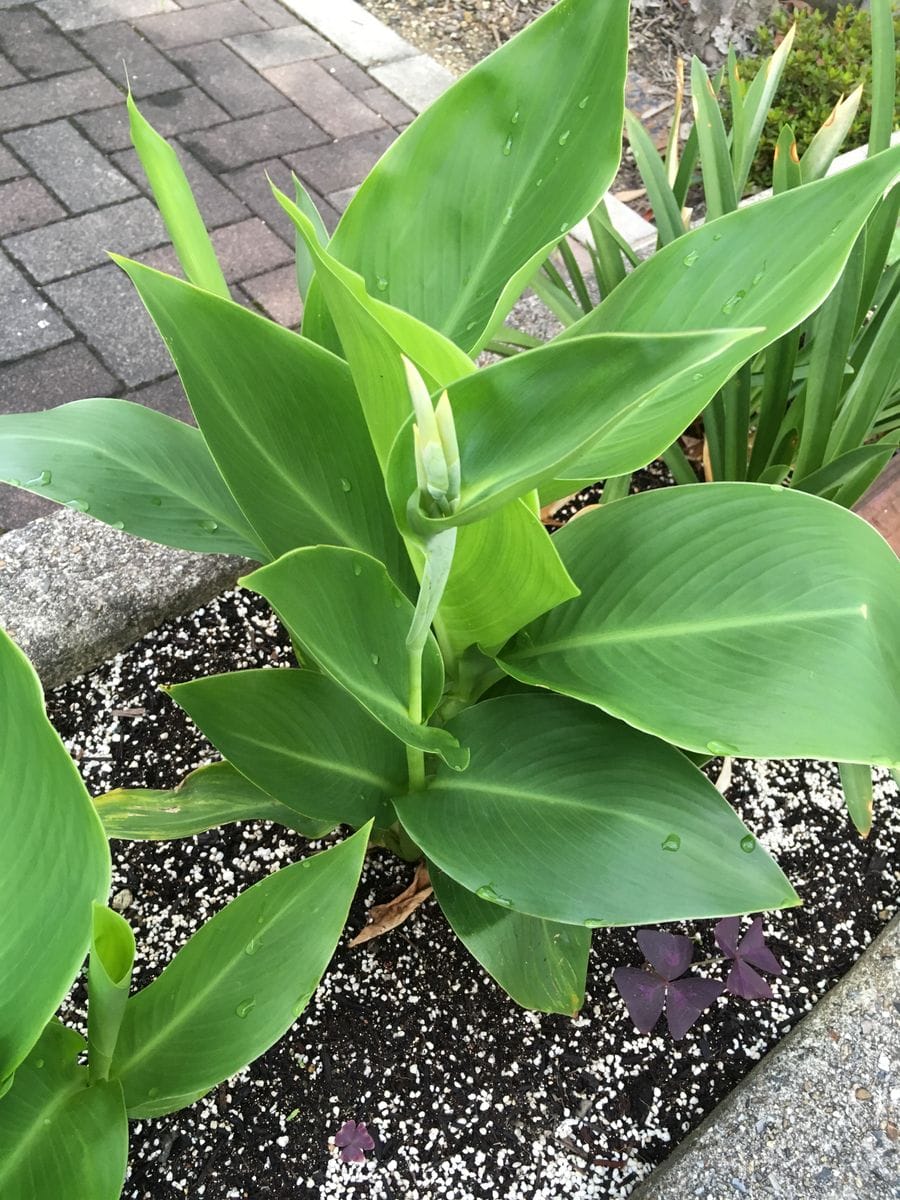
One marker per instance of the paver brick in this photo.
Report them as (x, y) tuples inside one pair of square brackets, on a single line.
[(217, 204), (65, 247), (80, 176), (197, 25), (354, 78), (8, 73), (255, 139), (117, 47), (386, 105), (340, 164), (29, 323), (272, 12), (169, 113), (69, 372), (276, 47), (324, 99), (349, 26), (276, 294), (228, 79), (31, 103), (418, 81), (167, 396), (81, 14), (252, 185), (10, 167), (37, 48), (104, 306), (249, 248), (340, 200), (25, 203)]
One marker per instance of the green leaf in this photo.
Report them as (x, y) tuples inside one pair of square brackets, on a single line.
[(588, 408), (541, 964), (282, 421), (666, 209), (768, 265), (345, 610), (718, 177), (525, 176), (238, 984), (755, 110), (884, 76), (208, 797), (786, 168), (131, 467), (54, 861), (856, 784), (176, 204), (790, 605), (62, 1139), (824, 147), (109, 978), (571, 816), (846, 478), (305, 264), (506, 572), (302, 739)]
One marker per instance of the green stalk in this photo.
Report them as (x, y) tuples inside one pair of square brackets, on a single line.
[(415, 759), (616, 488), (677, 462)]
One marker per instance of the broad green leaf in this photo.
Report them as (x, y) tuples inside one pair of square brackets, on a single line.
[(571, 816), (884, 76), (541, 964), (302, 739), (856, 784), (374, 337), (282, 421), (176, 204), (506, 572), (346, 611), (790, 605), (482, 184), (718, 176), (768, 265), (238, 984), (131, 467), (61, 1139), (755, 110), (592, 407), (54, 862), (109, 978), (208, 797)]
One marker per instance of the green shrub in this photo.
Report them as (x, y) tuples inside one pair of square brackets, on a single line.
[(831, 57)]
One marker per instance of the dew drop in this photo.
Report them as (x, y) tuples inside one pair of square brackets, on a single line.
[(45, 477), (117, 524), (758, 277), (514, 119), (78, 505), (835, 228), (748, 843), (471, 325), (39, 1062), (41, 480), (346, 485), (564, 227), (733, 301), (721, 748), (507, 147), (209, 526), (583, 103), (245, 1008), (595, 923), (357, 570), (690, 259), (381, 283), (252, 946), (697, 376), (153, 1092), (564, 137), (717, 237), (540, 183), (15, 482), (507, 216), (376, 659), (487, 893), (672, 843), (156, 501), (300, 1004), (777, 488)]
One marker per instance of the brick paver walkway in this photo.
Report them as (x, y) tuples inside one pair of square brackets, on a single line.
[(244, 87)]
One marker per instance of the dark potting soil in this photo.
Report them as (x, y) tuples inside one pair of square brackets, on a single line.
[(465, 1094)]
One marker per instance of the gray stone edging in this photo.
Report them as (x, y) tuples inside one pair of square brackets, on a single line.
[(74, 592), (819, 1117)]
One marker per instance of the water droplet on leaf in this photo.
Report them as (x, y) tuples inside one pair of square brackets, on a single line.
[(690, 259), (748, 843), (733, 301), (507, 216), (357, 570), (487, 893), (346, 485), (514, 119), (245, 1008), (584, 102), (594, 923), (156, 501), (117, 524), (721, 748), (376, 659), (39, 1062), (672, 843), (153, 1092), (564, 227), (507, 147), (381, 283), (717, 237), (252, 946), (78, 505), (564, 137), (210, 526)]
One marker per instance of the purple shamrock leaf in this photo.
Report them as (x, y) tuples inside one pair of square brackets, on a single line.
[(686, 999), (751, 951), (646, 992), (353, 1141)]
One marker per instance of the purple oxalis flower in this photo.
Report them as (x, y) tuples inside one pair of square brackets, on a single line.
[(751, 951), (353, 1140), (646, 993)]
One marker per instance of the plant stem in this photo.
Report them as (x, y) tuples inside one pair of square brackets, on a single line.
[(677, 462), (415, 758), (616, 488)]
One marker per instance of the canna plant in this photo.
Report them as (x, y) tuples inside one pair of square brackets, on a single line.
[(524, 713)]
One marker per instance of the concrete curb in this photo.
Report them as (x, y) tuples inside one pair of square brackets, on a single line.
[(819, 1116)]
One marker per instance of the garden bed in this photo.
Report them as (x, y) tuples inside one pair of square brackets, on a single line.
[(465, 1094)]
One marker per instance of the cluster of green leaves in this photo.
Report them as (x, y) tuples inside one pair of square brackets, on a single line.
[(523, 712), (832, 57)]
